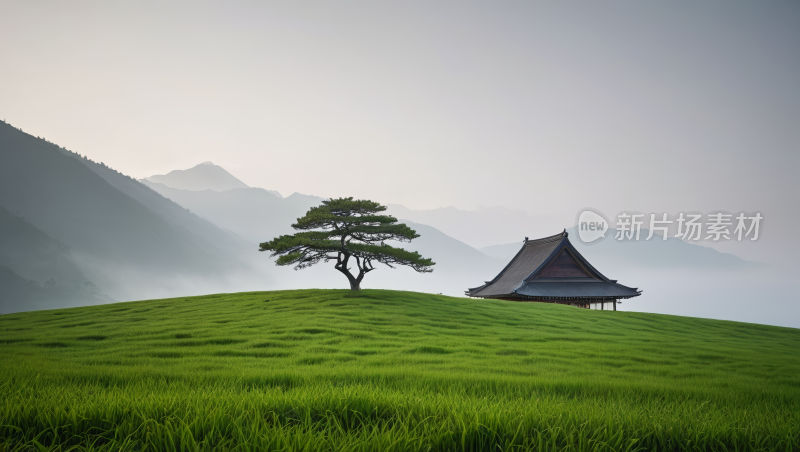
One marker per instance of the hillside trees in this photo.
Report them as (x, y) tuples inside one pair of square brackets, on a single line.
[(344, 230)]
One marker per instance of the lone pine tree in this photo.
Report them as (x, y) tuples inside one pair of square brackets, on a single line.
[(343, 230)]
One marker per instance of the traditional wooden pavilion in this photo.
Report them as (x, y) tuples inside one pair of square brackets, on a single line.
[(551, 270)]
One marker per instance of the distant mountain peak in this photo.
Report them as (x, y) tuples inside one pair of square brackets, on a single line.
[(205, 176)]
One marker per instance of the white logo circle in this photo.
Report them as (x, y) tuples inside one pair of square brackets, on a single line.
[(591, 226)]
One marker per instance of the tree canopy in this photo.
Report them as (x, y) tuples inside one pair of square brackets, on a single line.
[(343, 230)]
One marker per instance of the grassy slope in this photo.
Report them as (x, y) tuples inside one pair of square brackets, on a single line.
[(374, 370)]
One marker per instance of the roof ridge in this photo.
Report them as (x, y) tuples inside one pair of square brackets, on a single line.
[(549, 239)]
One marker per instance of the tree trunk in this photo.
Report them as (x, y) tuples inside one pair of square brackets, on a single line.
[(355, 283)]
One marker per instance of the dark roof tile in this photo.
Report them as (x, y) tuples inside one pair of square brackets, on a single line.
[(519, 276)]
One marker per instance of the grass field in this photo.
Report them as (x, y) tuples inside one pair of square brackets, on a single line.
[(385, 370)]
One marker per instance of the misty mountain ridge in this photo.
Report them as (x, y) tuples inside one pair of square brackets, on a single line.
[(654, 253), (472, 227), (38, 271), (458, 265), (257, 216), (141, 239), (254, 214), (139, 244), (205, 176), (20, 294), (482, 226), (121, 235), (33, 254)]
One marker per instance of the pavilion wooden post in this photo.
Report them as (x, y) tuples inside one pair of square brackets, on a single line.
[(615, 305)]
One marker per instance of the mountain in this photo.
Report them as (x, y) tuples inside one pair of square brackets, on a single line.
[(74, 231), (205, 176), (481, 227), (653, 253), (124, 237), (458, 265), (178, 217), (20, 294), (442, 248), (34, 255), (254, 214), (141, 239), (257, 216), (37, 271)]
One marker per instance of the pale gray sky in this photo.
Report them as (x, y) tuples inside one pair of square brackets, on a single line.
[(542, 107)]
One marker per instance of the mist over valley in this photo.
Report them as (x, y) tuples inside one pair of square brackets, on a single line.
[(76, 232)]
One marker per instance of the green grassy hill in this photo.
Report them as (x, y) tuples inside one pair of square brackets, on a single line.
[(386, 370)]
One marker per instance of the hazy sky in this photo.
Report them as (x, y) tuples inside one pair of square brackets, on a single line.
[(548, 107)]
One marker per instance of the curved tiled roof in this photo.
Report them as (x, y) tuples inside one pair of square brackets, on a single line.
[(520, 277), (593, 289)]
